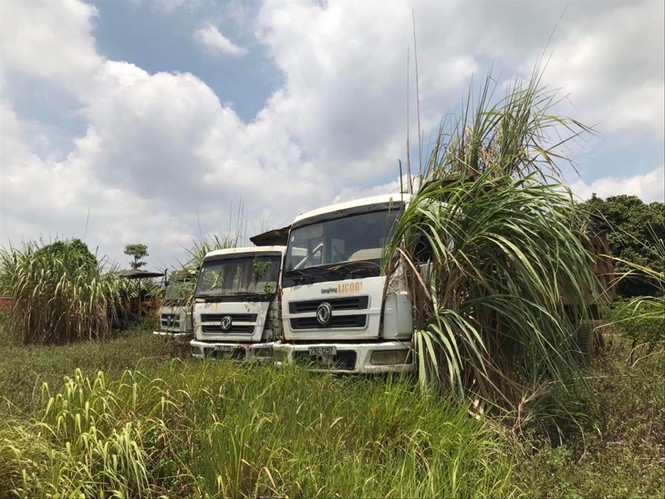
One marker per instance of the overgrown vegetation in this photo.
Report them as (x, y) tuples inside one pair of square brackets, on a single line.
[(618, 448), (635, 230), (620, 451), (641, 320), (216, 429), (191, 429), (509, 283), (181, 284), (510, 278), (199, 249), (60, 292)]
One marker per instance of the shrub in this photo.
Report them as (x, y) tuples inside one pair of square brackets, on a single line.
[(60, 294), (642, 320)]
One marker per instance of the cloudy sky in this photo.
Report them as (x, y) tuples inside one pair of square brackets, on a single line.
[(159, 121)]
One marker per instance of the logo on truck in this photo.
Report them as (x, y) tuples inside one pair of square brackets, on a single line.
[(225, 323), (344, 288), (324, 313)]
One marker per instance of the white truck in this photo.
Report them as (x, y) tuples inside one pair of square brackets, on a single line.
[(339, 312), (236, 304), (175, 313)]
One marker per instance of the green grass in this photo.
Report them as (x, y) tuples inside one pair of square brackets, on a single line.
[(620, 450), (150, 424), (640, 319), (186, 428), (26, 367)]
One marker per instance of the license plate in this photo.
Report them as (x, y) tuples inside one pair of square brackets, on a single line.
[(223, 348), (322, 350)]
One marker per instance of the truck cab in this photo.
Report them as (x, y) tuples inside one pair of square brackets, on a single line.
[(340, 312), (236, 304), (175, 313)]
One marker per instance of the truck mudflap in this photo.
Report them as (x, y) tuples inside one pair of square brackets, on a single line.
[(383, 357), (241, 352)]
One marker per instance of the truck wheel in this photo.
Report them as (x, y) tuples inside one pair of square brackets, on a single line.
[(585, 341)]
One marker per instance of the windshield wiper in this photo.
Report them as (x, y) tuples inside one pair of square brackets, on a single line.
[(343, 270), (363, 268), (303, 277)]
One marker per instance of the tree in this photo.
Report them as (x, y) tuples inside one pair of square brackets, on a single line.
[(634, 229), (138, 251)]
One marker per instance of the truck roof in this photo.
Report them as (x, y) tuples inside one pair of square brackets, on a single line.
[(359, 205), (248, 250)]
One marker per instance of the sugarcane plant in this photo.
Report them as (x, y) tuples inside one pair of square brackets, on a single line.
[(495, 250), (60, 292)]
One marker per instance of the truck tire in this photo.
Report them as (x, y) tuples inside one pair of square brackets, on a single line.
[(585, 341)]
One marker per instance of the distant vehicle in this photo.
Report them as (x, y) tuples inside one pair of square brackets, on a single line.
[(137, 299), (175, 314), (236, 303)]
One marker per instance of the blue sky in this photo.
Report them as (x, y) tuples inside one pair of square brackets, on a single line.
[(159, 121), (157, 40)]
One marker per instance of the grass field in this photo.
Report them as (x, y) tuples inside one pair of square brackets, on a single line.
[(123, 416)]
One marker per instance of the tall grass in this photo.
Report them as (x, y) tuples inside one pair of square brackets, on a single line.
[(199, 249), (214, 430), (509, 277), (60, 294), (643, 318)]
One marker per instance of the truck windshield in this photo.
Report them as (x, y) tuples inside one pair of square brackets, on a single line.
[(232, 276), (354, 238)]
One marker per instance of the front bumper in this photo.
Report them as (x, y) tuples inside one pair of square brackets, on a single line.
[(177, 337), (384, 357), (243, 352)]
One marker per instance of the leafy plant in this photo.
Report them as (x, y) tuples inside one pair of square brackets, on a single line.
[(508, 277), (643, 318), (260, 267), (199, 249)]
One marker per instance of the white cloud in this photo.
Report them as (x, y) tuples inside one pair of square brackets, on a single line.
[(351, 193), (215, 42), (649, 187), (50, 41), (610, 57), (161, 155)]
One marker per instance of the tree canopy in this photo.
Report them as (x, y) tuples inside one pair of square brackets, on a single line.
[(75, 251), (138, 251), (634, 229)]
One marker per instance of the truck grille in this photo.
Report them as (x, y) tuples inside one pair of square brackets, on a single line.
[(335, 322), (338, 320), (353, 303), (170, 321), (210, 323)]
